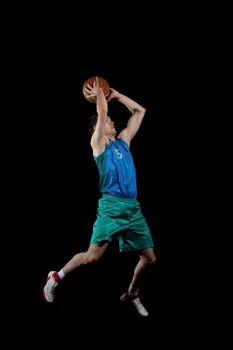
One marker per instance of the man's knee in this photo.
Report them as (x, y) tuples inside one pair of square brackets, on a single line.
[(92, 257), (150, 259), (95, 252)]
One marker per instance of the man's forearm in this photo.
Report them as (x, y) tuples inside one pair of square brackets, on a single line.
[(101, 104), (130, 104)]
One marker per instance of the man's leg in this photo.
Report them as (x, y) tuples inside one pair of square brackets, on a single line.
[(93, 254), (147, 258)]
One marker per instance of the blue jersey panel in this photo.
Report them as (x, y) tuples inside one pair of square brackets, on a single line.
[(117, 170)]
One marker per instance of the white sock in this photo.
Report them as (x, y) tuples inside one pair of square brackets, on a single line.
[(133, 290), (61, 274)]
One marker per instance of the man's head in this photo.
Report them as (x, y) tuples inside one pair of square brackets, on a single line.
[(109, 125)]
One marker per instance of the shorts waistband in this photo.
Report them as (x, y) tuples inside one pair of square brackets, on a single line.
[(117, 199)]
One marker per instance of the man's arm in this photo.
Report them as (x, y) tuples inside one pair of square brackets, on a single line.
[(98, 140), (136, 118)]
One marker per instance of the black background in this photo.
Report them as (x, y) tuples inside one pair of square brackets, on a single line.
[(58, 191), (163, 59), (54, 182)]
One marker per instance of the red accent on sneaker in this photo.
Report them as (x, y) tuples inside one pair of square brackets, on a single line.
[(55, 276), (53, 280)]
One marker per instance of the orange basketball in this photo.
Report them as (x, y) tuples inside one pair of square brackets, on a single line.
[(102, 83)]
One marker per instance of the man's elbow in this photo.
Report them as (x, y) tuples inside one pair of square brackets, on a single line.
[(143, 111)]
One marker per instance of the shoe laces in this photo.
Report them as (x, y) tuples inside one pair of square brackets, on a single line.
[(138, 303), (54, 282)]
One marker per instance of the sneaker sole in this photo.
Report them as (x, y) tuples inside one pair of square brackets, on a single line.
[(43, 291)]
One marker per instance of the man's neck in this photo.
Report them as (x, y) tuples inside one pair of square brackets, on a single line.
[(111, 137)]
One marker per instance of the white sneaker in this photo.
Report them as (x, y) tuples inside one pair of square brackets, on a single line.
[(139, 307), (52, 283), (135, 302)]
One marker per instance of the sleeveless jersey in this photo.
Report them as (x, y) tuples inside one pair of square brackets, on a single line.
[(117, 170)]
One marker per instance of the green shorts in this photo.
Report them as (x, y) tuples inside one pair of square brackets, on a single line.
[(121, 218)]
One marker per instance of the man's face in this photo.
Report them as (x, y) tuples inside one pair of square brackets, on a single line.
[(109, 127)]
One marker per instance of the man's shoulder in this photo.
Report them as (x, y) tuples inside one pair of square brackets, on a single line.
[(120, 140)]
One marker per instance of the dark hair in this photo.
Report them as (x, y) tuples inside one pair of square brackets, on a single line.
[(92, 123)]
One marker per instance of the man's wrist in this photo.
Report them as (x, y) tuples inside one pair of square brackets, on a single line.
[(117, 97)]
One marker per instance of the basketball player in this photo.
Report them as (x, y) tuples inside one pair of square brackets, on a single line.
[(119, 213)]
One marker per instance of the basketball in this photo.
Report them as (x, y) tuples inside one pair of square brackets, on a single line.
[(102, 83)]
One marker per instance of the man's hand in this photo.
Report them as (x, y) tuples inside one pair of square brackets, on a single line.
[(91, 90), (113, 94)]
